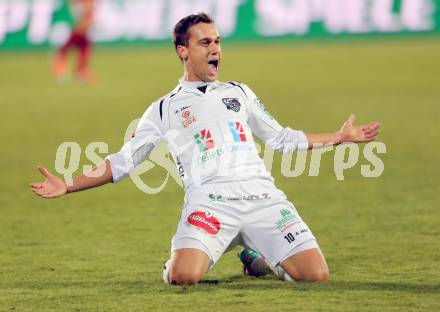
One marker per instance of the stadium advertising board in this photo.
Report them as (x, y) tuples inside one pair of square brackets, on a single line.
[(33, 23)]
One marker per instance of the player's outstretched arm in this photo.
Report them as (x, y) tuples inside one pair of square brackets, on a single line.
[(53, 186), (348, 133)]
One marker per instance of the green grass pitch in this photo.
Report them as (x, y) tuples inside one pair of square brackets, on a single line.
[(103, 250)]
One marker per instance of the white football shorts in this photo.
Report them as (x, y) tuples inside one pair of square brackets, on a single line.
[(219, 216)]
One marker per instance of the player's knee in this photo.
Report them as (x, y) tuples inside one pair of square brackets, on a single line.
[(320, 274), (311, 274), (179, 276)]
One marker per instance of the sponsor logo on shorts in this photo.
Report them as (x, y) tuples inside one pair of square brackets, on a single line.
[(232, 104), (222, 198), (219, 198), (290, 238), (237, 131), (187, 118), (204, 221), (286, 220), (301, 231)]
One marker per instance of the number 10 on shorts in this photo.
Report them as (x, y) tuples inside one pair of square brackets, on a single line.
[(290, 238)]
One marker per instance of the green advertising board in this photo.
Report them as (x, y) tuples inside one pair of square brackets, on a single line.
[(34, 23)]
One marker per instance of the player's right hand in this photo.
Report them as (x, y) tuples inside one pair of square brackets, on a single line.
[(52, 187)]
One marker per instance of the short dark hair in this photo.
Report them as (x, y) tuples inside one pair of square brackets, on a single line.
[(180, 34)]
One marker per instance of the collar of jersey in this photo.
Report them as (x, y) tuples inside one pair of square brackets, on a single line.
[(192, 86)]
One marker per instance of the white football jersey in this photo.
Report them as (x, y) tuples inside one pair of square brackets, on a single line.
[(208, 129)]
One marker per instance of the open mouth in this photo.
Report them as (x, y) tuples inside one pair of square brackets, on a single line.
[(213, 62), (213, 66)]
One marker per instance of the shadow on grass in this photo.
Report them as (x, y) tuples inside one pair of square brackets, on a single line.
[(234, 282), (241, 282)]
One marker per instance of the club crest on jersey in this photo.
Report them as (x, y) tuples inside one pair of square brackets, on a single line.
[(232, 104), (205, 221), (238, 134), (187, 118), (204, 140)]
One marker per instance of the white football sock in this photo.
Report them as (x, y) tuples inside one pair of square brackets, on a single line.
[(260, 267), (279, 272), (166, 271)]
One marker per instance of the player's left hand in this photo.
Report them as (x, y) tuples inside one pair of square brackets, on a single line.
[(363, 133)]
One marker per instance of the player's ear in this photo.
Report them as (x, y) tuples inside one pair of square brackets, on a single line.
[(182, 51)]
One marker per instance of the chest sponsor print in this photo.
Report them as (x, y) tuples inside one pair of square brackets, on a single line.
[(238, 134), (187, 118), (209, 149), (204, 140)]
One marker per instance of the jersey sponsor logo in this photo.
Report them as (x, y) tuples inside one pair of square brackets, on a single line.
[(286, 221), (208, 155), (204, 140), (206, 146), (208, 149), (205, 221), (181, 109), (187, 118), (232, 104), (238, 134)]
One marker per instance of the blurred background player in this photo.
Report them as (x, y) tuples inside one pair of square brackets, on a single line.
[(79, 38)]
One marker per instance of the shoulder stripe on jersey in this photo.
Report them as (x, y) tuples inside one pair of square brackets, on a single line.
[(163, 99), (160, 108), (176, 92), (237, 85)]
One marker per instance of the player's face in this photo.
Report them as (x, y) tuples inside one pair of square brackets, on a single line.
[(203, 53)]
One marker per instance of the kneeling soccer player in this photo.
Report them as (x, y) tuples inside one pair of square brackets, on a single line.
[(230, 197)]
